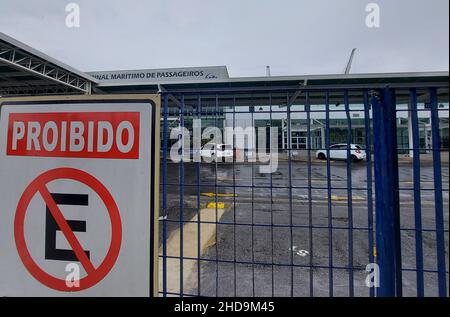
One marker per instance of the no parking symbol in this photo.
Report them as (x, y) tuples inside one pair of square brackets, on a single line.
[(39, 186)]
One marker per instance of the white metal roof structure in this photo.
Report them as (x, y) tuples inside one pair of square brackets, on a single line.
[(26, 71)]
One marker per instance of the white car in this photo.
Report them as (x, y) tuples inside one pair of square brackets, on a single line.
[(339, 152), (218, 151)]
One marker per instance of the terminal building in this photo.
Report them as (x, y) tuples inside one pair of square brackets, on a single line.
[(209, 93)]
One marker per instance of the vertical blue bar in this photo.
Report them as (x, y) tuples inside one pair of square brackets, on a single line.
[(390, 97), (216, 114), (252, 245), (385, 192), (330, 213), (164, 202), (234, 199), (368, 148), (197, 169), (384, 220), (181, 192), (271, 199), (417, 199), (349, 195), (439, 217), (310, 223), (288, 109)]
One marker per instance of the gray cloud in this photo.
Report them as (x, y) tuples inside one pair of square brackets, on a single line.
[(293, 36)]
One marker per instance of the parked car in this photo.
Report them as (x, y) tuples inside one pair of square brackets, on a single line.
[(221, 152), (339, 152)]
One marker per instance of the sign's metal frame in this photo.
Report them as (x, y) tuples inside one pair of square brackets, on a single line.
[(156, 101)]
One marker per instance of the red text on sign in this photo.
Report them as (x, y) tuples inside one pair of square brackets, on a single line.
[(74, 134)]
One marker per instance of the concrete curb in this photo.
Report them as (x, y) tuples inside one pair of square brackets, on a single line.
[(190, 248)]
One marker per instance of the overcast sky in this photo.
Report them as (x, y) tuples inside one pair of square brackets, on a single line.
[(294, 37)]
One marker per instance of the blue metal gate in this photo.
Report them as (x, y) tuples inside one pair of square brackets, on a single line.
[(316, 225)]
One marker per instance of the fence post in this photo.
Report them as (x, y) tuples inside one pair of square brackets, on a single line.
[(437, 173), (164, 201), (387, 193)]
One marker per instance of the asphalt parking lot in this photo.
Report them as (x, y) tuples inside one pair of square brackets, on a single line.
[(286, 232)]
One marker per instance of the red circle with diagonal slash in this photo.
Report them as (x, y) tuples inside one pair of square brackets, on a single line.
[(39, 185)]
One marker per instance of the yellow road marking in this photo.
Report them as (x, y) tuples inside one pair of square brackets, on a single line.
[(218, 195), (218, 205), (341, 198)]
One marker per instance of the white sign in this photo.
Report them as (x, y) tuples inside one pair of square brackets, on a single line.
[(156, 76), (78, 196)]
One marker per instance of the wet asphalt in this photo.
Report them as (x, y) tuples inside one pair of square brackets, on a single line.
[(281, 235)]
